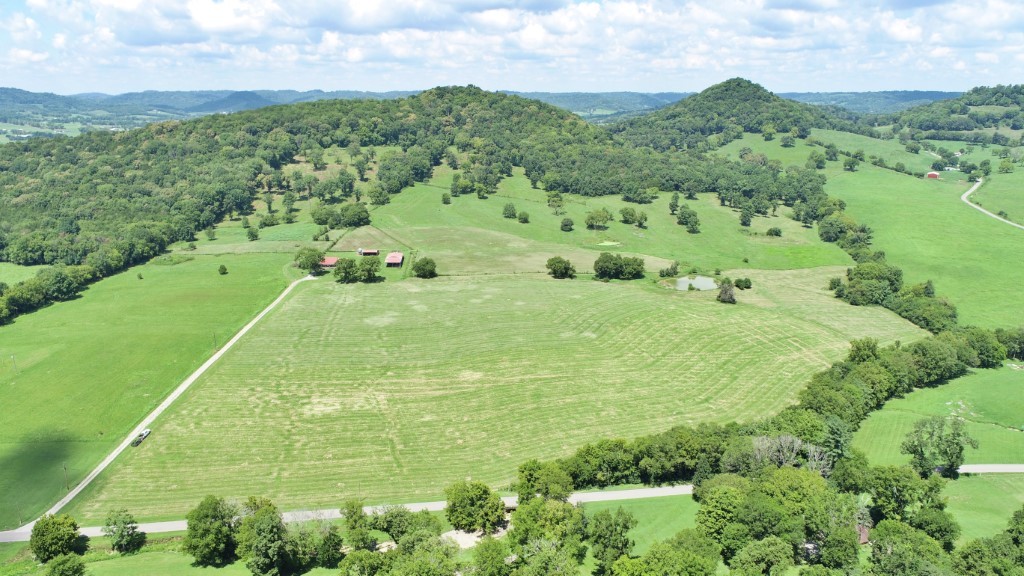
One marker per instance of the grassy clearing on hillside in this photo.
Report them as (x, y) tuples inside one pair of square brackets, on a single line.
[(88, 370), (983, 503), (991, 402), (924, 228), (892, 151), (392, 391), (470, 236), (11, 274), (1003, 192)]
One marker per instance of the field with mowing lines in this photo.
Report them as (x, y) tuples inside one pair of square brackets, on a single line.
[(991, 402), (924, 228), (391, 391), (983, 503), (83, 373), (658, 519)]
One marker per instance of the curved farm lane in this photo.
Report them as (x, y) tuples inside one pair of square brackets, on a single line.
[(966, 198), (27, 529), (22, 534)]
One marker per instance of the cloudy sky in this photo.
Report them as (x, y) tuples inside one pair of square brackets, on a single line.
[(114, 46)]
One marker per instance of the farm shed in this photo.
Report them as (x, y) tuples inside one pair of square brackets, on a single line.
[(368, 252), (933, 174), (329, 261), (394, 259)]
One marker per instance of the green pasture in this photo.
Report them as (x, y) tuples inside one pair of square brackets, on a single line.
[(658, 519), (1003, 192), (470, 236), (892, 151), (75, 377), (391, 391), (11, 274), (983, 503), (990, 401), (924, 228)]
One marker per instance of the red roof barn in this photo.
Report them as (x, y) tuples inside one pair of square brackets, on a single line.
[(394, 259), (932, 175), (329, 261)]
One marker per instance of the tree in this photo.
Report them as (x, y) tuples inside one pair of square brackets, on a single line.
[(346, 271), (560, 268), (210, 537), (473, 506), (262, 542), (66, 565), (608, 533), (774, 231), (252, 233), (123, 531), (222, 270), (937, 442), (608, 266), (361, 164), (368, 268), (726, 294), (894, 489), (746, 215), (424, 268), (309, 259), (598, 219), (686, 216), (772, 555), (509, 211), (523, 217), (641, 219), (489, 558), (53, 536), (567, 224), (446, 198), (548, 480), (673, 204), (901, 550), (850, 164), (628, 215)]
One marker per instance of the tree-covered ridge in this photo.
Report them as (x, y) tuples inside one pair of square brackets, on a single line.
[(883, 102), (981, 107), (722, 113)]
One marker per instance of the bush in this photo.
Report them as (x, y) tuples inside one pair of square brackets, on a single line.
[(775, 231), (66, 565), (560, 268), (446, 198), (509, 211), (567, 224), (524, 218), (222, 270), (424, 268), (252, 234), (670, 272), (53, 536)]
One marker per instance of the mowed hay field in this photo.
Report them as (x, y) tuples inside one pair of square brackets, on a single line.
[(391, 391), (1003, 192), (990, 401), (984, 503), (75, 377)]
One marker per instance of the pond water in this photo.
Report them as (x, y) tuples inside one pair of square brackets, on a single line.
[(698, 282)]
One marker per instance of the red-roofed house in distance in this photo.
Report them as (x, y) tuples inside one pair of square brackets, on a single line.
[(329, 262), (394, 260)]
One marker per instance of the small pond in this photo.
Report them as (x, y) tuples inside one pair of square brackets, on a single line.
[(698, 282)]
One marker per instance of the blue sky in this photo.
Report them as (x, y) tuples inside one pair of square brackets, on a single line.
[(114, 46)]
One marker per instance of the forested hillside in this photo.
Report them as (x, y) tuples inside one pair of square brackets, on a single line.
[(884, 102), (722, 113), (981, 107)]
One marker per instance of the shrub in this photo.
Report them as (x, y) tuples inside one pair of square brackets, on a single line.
[(560, 268), (567, 224), (775, 231), (424, 268), (446, 198), (53, 536), (66, 565), (509, 211), (524, 218), (252, 233), (671, 271), (222, 270)]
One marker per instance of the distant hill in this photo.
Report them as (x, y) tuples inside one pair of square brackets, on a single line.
[(234, 102), (722, 113), (599, 106), (885, 102), (967, 116)]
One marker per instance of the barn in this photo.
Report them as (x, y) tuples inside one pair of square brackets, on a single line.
[(394, 260), (329, 262), (933, 175)]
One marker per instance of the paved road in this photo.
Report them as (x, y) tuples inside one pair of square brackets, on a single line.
[(992, 469), (22, 534), (159, 410), (966, 198)]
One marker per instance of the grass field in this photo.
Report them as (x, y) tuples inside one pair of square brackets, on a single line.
[(991, 402), (889, 150), (983, 503), (11, 274), (1003, 192), (75, 377), (342, 392), (924, 228), (658, 519)]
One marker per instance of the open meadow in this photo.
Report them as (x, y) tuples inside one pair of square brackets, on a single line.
[(984, 503), (1003, 193), (391, 391), (990, 401), (925, 229)]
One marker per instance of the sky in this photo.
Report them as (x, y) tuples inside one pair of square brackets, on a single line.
[(116, 46)]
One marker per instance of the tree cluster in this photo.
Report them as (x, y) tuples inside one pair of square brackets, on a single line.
[(615, 266)]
